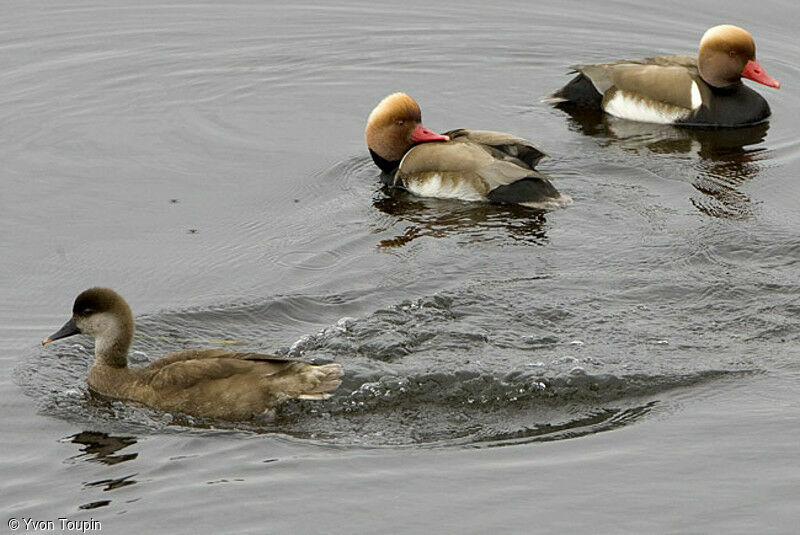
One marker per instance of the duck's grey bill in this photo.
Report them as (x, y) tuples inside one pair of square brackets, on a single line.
[(68, 329)]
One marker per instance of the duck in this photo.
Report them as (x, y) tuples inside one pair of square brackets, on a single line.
[(702, 91), (206, 383), (469, 165)]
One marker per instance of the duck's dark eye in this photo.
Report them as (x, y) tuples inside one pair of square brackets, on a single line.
[(400, 122), (732, 53), (87, 311)]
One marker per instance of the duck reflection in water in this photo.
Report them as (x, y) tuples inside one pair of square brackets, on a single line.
[(473, 222), (102, 447), (725, 156)]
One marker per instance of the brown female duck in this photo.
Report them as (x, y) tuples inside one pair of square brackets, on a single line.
[(705, 91), (209, 383), (471, 165)]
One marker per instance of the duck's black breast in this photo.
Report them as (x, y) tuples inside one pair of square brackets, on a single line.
[(388, 169), (385, 165), (737, 105)]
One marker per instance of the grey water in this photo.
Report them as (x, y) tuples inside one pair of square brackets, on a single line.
[(626, 364)]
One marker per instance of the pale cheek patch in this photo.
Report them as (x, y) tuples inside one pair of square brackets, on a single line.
[(105, 329), (628, 105), (97, 324)]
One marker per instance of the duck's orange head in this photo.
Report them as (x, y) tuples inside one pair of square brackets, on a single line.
[(726, 54), (393, 127)]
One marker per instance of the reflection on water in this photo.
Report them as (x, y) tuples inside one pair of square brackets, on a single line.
[(723, 165), (94, 505), (102, 447), (473, 221), (111, 484)]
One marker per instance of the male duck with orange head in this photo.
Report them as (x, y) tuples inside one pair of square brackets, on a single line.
[(470, 165), (703, 91)]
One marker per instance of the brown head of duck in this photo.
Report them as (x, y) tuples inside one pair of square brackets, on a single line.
[(728, 53), (393, 127), (105, 316)]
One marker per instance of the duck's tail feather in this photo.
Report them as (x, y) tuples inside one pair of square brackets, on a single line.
[(535, 188), (580, 91), (553, 98), (323, 380)]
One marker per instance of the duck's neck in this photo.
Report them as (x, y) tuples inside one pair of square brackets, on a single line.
[(111, 348), (385, 165), (728, 89)]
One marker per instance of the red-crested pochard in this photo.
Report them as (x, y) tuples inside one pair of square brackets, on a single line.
[(208, 383), (705, 91), (470, 165)]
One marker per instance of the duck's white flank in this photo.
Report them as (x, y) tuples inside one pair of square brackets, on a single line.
[(629, 105), (434, 186), (697, 99)]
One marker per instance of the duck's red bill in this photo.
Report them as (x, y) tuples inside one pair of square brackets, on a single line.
[(756, 72), (422, 134)]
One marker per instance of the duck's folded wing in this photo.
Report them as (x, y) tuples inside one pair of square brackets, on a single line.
[(509, 183), (501, 145), (443, 157), (468, 162), (190, 354), (688, 62), (501, 173), (603, 75), (667, 79), (671, 84), (187, 368), (599, 75)]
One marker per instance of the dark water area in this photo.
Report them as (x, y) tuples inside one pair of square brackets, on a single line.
[(626, 364)]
